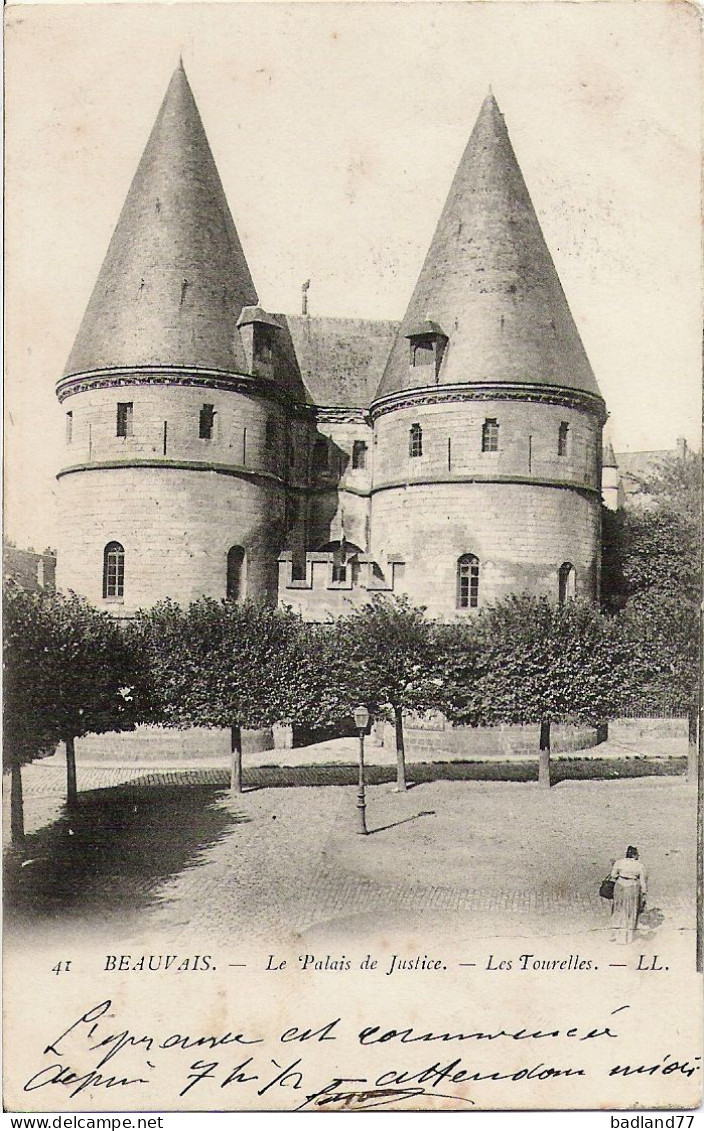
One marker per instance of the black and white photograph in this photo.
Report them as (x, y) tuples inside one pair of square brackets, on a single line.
[(352, 567)]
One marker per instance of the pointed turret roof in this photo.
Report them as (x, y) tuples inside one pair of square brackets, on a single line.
[(175, 278), (608, 458), (490, 283)]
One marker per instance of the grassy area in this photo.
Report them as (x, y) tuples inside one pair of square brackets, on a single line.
[(562, 769)]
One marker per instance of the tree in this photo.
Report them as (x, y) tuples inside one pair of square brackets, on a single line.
[(69, 671), (323, 691), (539, 662), (653, 574), (221, 664), (391, 662)]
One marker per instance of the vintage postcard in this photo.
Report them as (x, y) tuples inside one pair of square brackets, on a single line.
[(352, 576)]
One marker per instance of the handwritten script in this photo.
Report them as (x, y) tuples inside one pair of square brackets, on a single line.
[(330, 1064)]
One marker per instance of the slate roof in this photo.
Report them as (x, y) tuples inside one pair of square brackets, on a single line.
[(489, 281), (339, 360), (175, 277)]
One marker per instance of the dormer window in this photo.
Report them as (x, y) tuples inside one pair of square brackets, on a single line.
[(422, 352), (258, 332), (427, 345), (263, 343)]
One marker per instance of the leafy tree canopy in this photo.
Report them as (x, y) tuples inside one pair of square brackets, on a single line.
[(68, 672)]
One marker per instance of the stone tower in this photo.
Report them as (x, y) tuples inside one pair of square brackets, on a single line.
[(488, 418), (177, 416)]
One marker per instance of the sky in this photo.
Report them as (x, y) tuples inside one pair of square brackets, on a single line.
[(336, 129)]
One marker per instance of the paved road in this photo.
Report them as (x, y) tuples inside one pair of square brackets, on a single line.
[(176, 852)]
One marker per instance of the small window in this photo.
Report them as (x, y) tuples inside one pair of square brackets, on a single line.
[(270, 435), (468, 582), (422, 352), (320, 454), (562, 438), (359, 455), (566, 583), (69, 427), (113, 570), (235, 563), (490, 435), (415, 441), (125, 413), (263, 344), (206, 422)]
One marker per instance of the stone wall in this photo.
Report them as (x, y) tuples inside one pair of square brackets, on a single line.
[(176, 527), (471, 743)]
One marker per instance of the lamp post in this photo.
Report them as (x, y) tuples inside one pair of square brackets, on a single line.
[(361, 721)]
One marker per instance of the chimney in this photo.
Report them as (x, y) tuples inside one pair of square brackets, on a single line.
[(681, 448), (304, 296)]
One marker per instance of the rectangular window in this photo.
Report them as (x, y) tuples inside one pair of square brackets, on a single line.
[(320, 455), (69, 427), (125, 413), (206, 422), (490, 435), (422, 353), (270, 435), (415, 441), (562, 439), (263, 344), (359, 455)]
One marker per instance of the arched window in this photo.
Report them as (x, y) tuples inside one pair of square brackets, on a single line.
[(467, 582), (566, 583), (114, 570), (490, 435), (235, 563), (415, 441)]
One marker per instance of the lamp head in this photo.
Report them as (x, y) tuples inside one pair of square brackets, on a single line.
[(361, 718)]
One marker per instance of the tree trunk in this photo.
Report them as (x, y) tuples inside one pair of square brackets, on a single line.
[(400, 750), (693, 745), (544, 756), (16, 805), (71, 786), (236, 764)]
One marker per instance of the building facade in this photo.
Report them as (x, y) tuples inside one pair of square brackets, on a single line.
[(217, 449)]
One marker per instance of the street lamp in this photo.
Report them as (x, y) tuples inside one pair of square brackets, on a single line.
[(361, 721)]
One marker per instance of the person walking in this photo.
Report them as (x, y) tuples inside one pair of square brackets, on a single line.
[(630, 889)]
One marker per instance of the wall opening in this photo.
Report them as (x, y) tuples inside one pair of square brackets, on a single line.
[(567, 583), (415, 441), (490, 435), (113, 570), (468, 582), (235, 573), (125, 418), (206, 422)]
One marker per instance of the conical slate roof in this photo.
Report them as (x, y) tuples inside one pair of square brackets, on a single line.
[(175, 277), (608, 458), (489, 282)]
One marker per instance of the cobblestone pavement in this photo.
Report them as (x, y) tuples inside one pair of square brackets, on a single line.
[(176, 852)]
